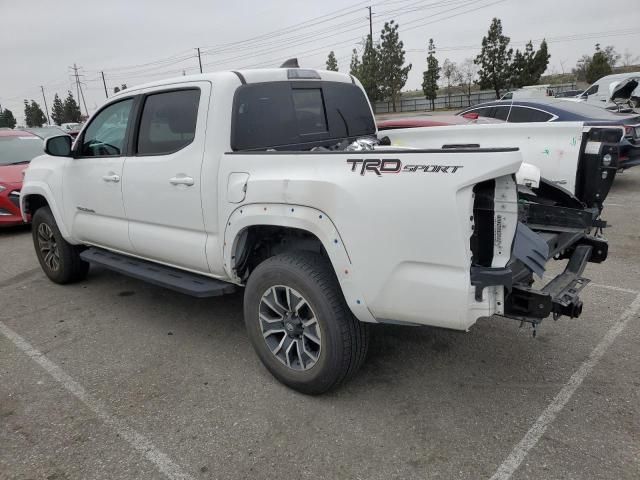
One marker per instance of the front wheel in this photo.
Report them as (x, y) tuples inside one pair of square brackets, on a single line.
[(59, 259), (300, 325)]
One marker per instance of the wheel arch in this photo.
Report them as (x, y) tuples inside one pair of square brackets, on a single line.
[(305, 228), (35, 196)]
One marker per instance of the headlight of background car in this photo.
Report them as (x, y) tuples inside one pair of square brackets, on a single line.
[(2, 188), (606, 160)]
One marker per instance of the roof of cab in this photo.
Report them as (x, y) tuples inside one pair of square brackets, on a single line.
[(248, 76)]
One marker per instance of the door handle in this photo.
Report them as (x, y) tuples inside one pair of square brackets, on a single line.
[(181, 180), (112, 177)]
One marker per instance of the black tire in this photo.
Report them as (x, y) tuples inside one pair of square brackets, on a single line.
[(344, 338), (69, 267)]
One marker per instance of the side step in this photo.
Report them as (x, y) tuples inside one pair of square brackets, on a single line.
[(161, 275)]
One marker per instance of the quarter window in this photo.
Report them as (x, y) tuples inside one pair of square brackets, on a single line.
[(104, 137), (168, 122), (501, 113), (524, 114)]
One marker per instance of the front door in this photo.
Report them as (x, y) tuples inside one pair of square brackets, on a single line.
[(161, 181), (92, 184)]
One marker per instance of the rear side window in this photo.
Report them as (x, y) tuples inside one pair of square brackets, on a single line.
[(297, 115), (168, 122), (525, 114), (482, 111), (501, 113)]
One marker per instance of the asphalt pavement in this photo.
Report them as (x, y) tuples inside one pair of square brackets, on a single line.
[(113, 378)]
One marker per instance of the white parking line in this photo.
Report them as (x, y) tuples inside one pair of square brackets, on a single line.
[(611, 287), (138, 441), (531, 438)]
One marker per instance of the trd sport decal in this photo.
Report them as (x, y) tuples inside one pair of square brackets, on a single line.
[(393, 165)]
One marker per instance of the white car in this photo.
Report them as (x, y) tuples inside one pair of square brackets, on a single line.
[(619, 91), (274, 180)]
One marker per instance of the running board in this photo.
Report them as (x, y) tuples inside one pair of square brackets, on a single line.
[(161, 275)]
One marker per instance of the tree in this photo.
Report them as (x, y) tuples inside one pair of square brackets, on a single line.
[(332, 63), (57, 110), (610, 53), (33, 114), (120, 88), (628, 59), (468, 71), (580, 70), (540, 62), (599, 65), (7, 120), (393, 73), (369, 72), (116, 89), (527, 67), (354, 66), (494, 59), (71, 110), (450, 73), (27, 113), (431, 75)]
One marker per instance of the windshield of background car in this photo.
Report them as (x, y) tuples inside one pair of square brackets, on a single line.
[(19, 149), (298, 115)]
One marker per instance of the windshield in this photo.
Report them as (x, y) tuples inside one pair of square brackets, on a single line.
[(16, 149)]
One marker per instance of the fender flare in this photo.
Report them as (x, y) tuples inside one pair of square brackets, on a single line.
[(304, 218), (43, 190)]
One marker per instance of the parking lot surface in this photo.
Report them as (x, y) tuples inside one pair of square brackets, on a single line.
[(114, 378)]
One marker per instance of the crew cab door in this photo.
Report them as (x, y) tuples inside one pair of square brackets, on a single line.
[(162, 177), (92, 182)]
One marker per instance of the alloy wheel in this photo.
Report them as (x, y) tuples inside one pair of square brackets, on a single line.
[(290, 328), (48, 247)]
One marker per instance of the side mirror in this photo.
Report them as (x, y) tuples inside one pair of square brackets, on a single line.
[(58, 146)]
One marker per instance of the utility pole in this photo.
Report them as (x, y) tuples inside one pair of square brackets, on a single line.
[(79, 88), (105, 85), (370, 26), (46, 109), (199, 59)]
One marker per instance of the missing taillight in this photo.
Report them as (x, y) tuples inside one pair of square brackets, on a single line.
[(482, 240)]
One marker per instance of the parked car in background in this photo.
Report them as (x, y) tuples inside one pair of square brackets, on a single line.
[(47, 131), (17, 149), (530, 91), (614, 92), (561, 110), (568, 94), (72, 129)]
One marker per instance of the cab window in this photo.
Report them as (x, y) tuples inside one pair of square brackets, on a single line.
[(105, 135), (168, 122)]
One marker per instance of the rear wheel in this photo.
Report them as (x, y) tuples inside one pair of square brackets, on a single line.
[(58, 258), (300, 324)]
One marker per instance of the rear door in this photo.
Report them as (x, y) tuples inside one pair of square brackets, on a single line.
[(162, 177)]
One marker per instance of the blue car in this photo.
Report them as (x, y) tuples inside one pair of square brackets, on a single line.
[(559, 110)]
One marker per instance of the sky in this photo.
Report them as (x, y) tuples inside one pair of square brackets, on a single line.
[(135, 41)]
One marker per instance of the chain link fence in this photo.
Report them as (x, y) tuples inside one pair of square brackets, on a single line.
[(456, 101)]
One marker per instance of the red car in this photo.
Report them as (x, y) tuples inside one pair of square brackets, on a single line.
[(434, 121), (17, 149)]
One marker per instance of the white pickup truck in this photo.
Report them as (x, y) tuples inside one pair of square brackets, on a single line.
[(274, 180)]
